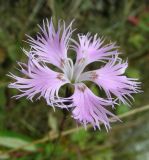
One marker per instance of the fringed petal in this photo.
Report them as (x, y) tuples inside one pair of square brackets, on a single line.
[(39, 81), (51, 45), (111, 79), (92, 49), (91, 109)]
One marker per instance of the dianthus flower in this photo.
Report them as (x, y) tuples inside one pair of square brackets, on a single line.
[(51, 46)]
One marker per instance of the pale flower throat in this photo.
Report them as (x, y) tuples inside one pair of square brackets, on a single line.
[(73, 71)]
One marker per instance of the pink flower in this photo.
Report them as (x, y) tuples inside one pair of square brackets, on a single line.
[(110, 77), (88, 108), (51, 46)]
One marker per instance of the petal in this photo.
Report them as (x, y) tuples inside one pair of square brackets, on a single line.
[(92, 48), (51, 45), (41, 81), (112, 80), (89, 108)]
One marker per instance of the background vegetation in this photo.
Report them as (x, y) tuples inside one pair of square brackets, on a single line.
[(33, 131)]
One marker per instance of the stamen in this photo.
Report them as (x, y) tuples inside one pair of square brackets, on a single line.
[(78, 69)]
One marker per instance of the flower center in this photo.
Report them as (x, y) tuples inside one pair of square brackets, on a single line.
[(72, 72)]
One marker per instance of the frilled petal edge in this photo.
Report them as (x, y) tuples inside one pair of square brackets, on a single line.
[(111, 79), (51, 45), (40, 81), (89, 108)]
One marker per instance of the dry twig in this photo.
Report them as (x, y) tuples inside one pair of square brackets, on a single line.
[(65, 133)]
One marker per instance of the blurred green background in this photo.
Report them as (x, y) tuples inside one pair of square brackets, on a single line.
[(23, 122)]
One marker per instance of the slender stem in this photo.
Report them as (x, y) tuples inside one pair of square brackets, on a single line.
[(61, 126), (65, 133)]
